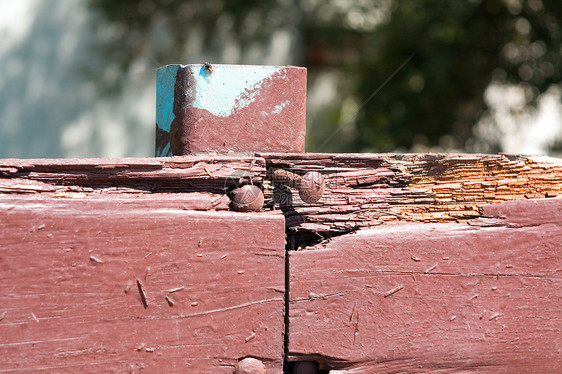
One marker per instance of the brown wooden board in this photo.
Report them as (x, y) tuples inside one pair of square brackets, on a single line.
[(482, 296), (106, 285)]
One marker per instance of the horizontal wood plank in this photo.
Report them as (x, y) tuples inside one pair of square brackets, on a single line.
[(212, 174), (367, 190), (106, 285), (363, 190), (482, 296)]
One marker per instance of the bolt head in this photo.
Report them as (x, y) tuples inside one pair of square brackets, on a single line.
[(249, 365), (311, 187), (248, 198)]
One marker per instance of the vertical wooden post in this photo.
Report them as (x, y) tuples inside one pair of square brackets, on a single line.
[(230, 109)]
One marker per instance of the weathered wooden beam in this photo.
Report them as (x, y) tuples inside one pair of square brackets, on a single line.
[(207, 174), (103, 285), (435, 204), (363, 190), (366, 190), (481, 296)]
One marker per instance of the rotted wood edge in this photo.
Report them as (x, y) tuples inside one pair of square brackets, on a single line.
[(146, 175), (366, 190), (186, 182)]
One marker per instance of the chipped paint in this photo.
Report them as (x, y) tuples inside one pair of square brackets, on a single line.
[(228, 88), (219, 108), (278, 108)]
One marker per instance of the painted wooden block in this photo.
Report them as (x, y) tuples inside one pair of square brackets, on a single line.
[(482, 296), (97, 285), (230, 108)]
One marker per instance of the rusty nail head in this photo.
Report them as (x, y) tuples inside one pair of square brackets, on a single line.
[(248, 198), (249, 365), (311, 186)]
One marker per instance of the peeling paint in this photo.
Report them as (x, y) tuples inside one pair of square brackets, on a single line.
[(230, 108)]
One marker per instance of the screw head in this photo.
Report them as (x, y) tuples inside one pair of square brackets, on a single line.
[(249, 365), (248, 198), (311, 187)]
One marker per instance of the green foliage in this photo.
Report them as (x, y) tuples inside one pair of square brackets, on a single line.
[(459, 48)]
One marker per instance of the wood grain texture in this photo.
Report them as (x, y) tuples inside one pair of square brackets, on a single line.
[(482, 296), (366, 190), (72, 273), (363, 190), (211, 174), (435, 279)]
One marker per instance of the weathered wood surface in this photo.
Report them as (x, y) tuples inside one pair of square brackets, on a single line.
[(482, 296), (366, 190), (70, 299), (210, 174), (59, 217), (363, 190)]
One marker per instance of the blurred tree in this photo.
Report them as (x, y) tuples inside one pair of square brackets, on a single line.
[(414, 72), (459, 48)]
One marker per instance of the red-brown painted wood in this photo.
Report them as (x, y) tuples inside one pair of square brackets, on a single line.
[(72, 273), (270, 116), (211, 174), (483, 296)]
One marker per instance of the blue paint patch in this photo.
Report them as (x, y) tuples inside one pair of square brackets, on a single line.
[(222, 91), (228, 87), (165, 83)]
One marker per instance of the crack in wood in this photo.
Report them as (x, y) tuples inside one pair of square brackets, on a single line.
[(226, 309)]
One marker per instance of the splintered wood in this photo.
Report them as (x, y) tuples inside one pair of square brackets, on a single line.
[(365, 190), (187, 182)]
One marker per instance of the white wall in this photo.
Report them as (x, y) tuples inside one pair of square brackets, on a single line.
[(48, 106)]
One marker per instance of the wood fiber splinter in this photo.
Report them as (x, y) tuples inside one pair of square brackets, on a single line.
[(393, 291), (142, 292)]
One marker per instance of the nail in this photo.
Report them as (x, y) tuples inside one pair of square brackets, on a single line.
[(248, 198), (249, 365), (311, 185)]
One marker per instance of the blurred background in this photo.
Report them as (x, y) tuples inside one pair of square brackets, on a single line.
[(77, 78)]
